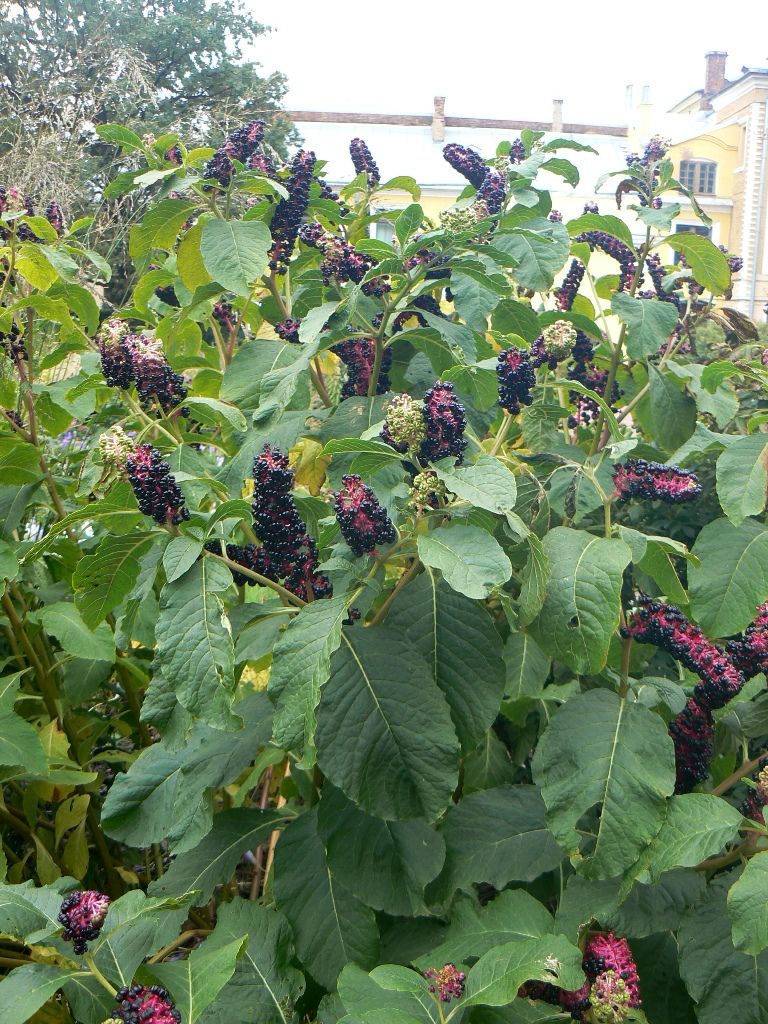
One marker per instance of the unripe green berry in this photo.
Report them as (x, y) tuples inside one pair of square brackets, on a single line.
[(405, 422), (427, 490), (559, 338), (115, 447)]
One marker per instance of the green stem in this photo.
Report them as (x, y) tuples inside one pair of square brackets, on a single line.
[(501, 436), (98, 975), (285, 594)]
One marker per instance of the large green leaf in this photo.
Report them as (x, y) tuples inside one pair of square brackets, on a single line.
[(708, 263), (331, 927), (732, 579), (62, 620), (235, 252), (195, 982), (581, 609), (27, 988), (374, 714), (215, 858), (600, 750), (386, 864), (486, 484), (118, 510), (697, 826), (103, 579), (649, 323), (19, 740), (470, 559), (499, 973), (160, 227), (265, 984), (673, 412), (540, 247), (727, 985), (30, 912), (496, 836), (742, 477), (748, 906), (527, 667), (195, 650), (473, 930), (301, 665), (392, 993), (459, 641)]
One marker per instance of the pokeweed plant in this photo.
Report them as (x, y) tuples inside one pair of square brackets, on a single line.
[(385, 622)]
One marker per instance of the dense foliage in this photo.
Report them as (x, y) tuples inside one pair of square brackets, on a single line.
[(383, 633)]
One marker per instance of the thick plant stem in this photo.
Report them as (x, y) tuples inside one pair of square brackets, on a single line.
[(373, 383), (285, 594), (99, 976), (414, 569), (734, 777), (501, 436)]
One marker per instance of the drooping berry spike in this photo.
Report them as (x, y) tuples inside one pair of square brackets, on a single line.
[(756, 800), (288, 330), (155, 380), (364, 522), (55, 217), (749, 652), (555, 343), (637, 478), (238, 145), (341, 261), (610, 999), (665, 626), (516, 378), (82, 913), (157, 493), (363, 162), (467, 162), (692, 733), (116, 358), (289, 212), (492, 192), (404, 426), (446, 982), (517, 152), (608, 953), (445, 421), (225, 316), (359, 355), (626, 257), (142, 1005), (566, 293)]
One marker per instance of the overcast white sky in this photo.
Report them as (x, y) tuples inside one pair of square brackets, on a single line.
[(491, 61)]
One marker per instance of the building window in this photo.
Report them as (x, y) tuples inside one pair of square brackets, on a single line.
[(699, 176)]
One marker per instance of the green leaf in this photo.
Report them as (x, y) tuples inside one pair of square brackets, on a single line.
[(408, 221), (235, 253), (613, 226), (180, 555), (511, 317), (580, 614), (473, 299), (390, 992), (212, 411), (265, 985), (748, 906), (533, 591), (120, 135), (732, 579), (649, 323), (473, 930), (214, 859), (486, 484), (160, 227), (330, 926), (600, 750), (375, 453), (386, 864), (742, 477), (697, 826), (499, 973), (470, 559), (541, 248), (195, 982), (527, 667), (103, 579), (195, 650), (301, 665), (27, 988), (118, 509), (9, 564), (375, 710), (19, 741), (727, 984), (673, 412), (19, 461), (496, 836), (708, 263), (62, 620), (466, 663)]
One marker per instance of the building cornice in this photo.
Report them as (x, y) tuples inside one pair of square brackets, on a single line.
[(425, 120)]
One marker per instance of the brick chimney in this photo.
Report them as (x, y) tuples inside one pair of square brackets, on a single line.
[(714, 76), (557, 115), (438, 119)]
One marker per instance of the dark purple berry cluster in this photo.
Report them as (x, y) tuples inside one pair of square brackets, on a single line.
[(427, 303), (288, 330), (174, 155), (288, 553), (517, 152), (262, 163), (238, 145), (55, 216), (556, 217), (657, 273), (13, 344), (516, 376), (749, 652), (289, 212), (637, 478), (341, 261), (82, 913), (363, 162), (655, 150), (363, 520), (566, 293), (225, 316), (157, 493), (155, 380), (358, 355), (693, 734), (445, 421), (591, 207), (756, 800), (446, 982), (142, 1005), (625, 257), (492, 192), (467, 162)]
